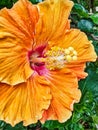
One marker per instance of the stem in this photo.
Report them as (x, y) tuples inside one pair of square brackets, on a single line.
[(94, 37), (92, 6)]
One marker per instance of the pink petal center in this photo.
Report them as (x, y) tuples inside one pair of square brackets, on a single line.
[(35, 59)]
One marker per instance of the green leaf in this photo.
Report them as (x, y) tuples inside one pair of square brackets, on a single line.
[(14, 1), (36, 1), (2, 124), (17, 127), (53, 124), (95, 118), (75, 126), (6, 3), (90, 84), (94, 17), (80, 10), (85, 25)]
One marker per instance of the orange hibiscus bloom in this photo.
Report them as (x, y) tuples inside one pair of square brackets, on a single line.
[(41, 60)]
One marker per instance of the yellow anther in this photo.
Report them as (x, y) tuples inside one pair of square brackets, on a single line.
[(67, 52), (74, 58), (68, 58), (74, 53), (57, 57), (71, 49)]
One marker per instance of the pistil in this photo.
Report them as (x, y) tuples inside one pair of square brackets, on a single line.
[(35, 60), (55, 58)]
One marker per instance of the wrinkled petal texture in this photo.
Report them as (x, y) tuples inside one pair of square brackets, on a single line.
[(65, 93), (17, 28), (24, 102), (79, 41), (25, 95), (53, 20)]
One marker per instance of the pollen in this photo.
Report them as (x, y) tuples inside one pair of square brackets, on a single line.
[(57, 57)]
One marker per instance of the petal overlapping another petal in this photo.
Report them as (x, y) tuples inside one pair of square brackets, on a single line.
[(53, 19), (27, 93), (65, 92), (17, 28), (79, 70), (24, 102), (84, 48), (20, 21), (14, 63)]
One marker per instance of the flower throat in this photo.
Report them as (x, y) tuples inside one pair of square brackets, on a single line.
[(55, 58)]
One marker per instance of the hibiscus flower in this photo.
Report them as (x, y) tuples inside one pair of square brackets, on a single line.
[(41, 60)]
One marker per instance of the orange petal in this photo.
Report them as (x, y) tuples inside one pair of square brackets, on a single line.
[(85, 50), (24, 102), (53, 21), (20, 21), (79, 70), (64, 90), (14, 63), (17, 26), (79, 41)]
